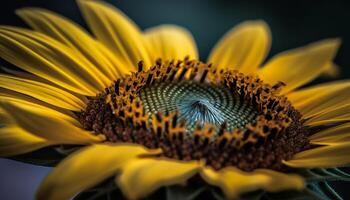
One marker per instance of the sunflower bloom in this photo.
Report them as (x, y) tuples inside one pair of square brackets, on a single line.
[(134, 114)]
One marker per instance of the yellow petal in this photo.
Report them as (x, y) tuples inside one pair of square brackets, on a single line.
[(26, 75), (28, 102), (118, 66), (45, 123), (332, 136), (4, 118), (14, 137), (33, 77), (332, 70), (329, 96), (21, 99), (140, 178), (116, 31), (171, 42), (42, 91), (71, 34), (331, 116), (299, 66), (327, 156), (49, 59), (15, 141), (234, 182), (243, 48), (86, 168)]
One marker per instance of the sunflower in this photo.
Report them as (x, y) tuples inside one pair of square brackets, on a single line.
[(134, 114)]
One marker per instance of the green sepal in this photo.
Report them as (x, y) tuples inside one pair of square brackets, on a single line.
[(184, 193), (324, 190), (293, 195), (104, 191), (320, 174), (313, 191)]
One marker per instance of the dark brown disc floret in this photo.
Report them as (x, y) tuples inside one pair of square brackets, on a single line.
[(193, 111)]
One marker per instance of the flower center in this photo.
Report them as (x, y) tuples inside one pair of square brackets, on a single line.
[(195, 112), (198, 104)]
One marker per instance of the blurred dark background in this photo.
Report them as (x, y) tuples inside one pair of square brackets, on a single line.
[(293, 24)]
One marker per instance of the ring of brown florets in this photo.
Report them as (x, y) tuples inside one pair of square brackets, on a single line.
[(276, 134)]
